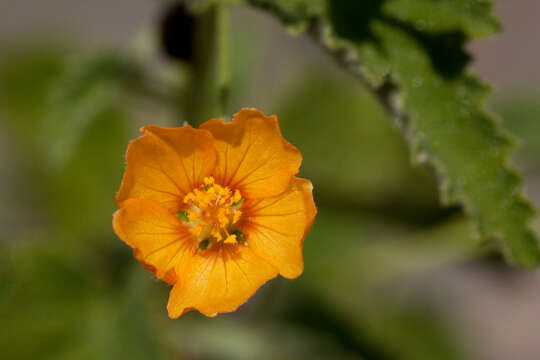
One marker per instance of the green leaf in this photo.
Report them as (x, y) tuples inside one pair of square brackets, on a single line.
[(74, 308), (364, 139), (470, 16), (26, 75), (521, 112), (419, 74), (71, 132), (89, 87), (293, 12), (448, 123), (374, 250), (368, 261), (42, 299), (231, 338)]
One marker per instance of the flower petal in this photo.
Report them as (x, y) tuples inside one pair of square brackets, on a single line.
[(218, 280), (160, 241), (169, 277), (275, 227), (165, 164), (252, 155)]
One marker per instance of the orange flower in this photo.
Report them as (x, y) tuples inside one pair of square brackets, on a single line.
[(215, 211)]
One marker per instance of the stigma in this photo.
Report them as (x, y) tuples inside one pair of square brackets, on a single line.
[(212, 211)]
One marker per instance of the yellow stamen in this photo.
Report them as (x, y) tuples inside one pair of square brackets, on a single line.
[(212, 211), (237, 197), (236, 216), (231, 239)]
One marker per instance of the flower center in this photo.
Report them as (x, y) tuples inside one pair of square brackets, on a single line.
[(212, 211)]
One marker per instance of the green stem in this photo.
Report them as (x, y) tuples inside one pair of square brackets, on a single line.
[(210, 78), (223, 58)]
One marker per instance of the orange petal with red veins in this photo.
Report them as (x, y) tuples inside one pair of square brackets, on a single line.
[(218, 280), (275, 227), (160, 241), (165, 164), (252, 155), (169, 277)]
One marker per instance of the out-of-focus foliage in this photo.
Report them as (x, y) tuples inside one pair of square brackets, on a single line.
[(72, 286), (370, 142), (88, 88), (520, 113), (70, 132), (51, 267), (473, 17), (69, 288), (412, 53)]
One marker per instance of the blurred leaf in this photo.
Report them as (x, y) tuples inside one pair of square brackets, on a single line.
[(228, 337), (293, 12), (419, 333), (87, 88), (119, 324), (46, 294), (81, 193), (377, 327), (63, 302), (363, 162), (26, 75), (74, 136), (521, 113), (439, 106), (366, 278), (471, 16), (352, 288), (398, 251)]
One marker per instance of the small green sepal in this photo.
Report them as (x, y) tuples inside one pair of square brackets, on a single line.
[(203, 245), (182, 215), (240, 238), (238, 203)]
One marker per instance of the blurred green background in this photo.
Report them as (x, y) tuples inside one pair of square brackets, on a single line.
[(389, 273)]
